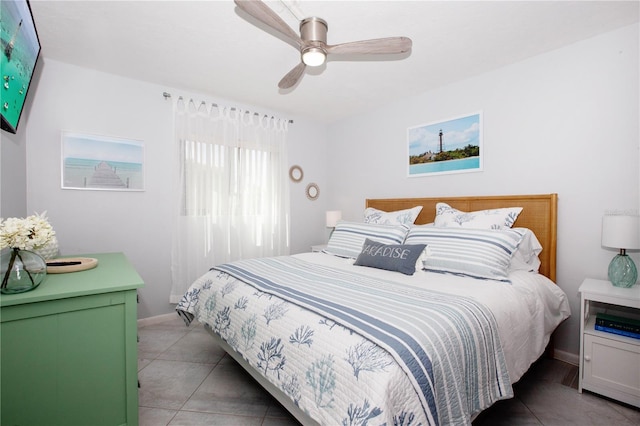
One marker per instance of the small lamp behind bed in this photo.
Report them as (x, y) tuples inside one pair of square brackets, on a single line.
[(621, 232), (333, 217)]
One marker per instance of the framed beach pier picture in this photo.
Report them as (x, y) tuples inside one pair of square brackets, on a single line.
[(450, 146), (102, 163)]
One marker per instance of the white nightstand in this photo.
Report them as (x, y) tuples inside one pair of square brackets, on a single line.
[(318, 248), (609, 363)]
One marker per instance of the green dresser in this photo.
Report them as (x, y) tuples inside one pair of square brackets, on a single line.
[(68, 353)]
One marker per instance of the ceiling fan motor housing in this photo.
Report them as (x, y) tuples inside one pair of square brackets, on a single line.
[(313, 29)]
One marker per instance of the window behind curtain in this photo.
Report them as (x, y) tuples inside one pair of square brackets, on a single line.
[(233, 198)]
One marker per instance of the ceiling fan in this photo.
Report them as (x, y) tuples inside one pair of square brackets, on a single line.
[(312, 41)]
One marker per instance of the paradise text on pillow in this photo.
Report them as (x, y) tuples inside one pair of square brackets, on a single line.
[(392, 252)]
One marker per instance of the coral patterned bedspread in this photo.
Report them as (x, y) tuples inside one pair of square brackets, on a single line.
[(351, 348)]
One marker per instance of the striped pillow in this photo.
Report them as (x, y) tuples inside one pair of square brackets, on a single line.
[(478, 253), (348, 237)]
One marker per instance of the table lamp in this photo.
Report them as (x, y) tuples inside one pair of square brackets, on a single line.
[(333, 217), (621, 232)]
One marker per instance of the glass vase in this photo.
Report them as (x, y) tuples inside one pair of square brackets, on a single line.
[(21, 270)]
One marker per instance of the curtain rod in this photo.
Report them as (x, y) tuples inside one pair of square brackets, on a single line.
[(167, 95)]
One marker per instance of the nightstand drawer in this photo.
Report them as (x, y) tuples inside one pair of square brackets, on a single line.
[(612, 364)]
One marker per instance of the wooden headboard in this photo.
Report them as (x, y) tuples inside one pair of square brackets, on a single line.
[(539, 213)]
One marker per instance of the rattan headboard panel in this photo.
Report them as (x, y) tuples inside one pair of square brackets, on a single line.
[(540, 214)]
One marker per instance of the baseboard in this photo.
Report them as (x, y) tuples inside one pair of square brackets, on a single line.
[(567, 357), (143, 322)]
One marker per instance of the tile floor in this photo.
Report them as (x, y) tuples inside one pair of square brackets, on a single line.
[(187, 380)]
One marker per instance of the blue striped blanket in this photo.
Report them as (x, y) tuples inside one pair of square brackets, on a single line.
[(447, 345)]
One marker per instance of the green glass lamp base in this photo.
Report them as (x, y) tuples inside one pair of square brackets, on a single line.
[(622, 271)]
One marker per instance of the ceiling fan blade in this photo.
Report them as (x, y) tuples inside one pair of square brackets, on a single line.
[(374, 46), (264, 14), (292, 76)]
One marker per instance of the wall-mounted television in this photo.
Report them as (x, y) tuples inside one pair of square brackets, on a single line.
[(20, 51)]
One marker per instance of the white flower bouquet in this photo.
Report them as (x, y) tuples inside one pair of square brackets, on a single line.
[(23, 268), (31, 233)]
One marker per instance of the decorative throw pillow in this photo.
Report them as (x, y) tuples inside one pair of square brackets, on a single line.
[(348, 237), (479, 253), (406, 217), (391, 257), (447, 216)]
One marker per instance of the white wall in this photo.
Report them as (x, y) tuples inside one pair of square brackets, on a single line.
[(136, 223), (308, 149), (13, 177), (565, 122), (13, 160)]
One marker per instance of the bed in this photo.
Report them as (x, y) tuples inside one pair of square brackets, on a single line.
[(353, 336)]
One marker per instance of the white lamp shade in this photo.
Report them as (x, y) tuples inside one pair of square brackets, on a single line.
[(621, 232), (333, 217)]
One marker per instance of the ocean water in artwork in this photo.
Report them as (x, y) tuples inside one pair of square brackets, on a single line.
[(465, 164), (101, 174)]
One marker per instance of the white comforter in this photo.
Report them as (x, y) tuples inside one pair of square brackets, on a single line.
[(526, 312)]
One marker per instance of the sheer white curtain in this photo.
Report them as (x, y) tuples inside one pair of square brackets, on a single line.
[(233, 197)]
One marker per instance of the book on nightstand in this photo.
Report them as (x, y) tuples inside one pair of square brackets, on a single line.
[(618, 325)]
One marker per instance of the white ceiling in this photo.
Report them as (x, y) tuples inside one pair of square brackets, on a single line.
[(211, 47)]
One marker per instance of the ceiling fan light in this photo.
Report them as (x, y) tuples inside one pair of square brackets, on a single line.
[(313, 57)]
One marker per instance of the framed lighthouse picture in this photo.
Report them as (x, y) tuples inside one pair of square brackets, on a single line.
[(445, 147)]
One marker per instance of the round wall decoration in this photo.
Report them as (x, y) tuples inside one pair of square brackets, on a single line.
[(296, 174), (313, 192)]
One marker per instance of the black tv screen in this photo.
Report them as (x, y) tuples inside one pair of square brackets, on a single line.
[(20, 50)]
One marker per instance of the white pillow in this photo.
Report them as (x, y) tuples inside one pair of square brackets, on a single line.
[(447, 216), (526, 257), (478, 253), (405, 217), (348, 238)]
